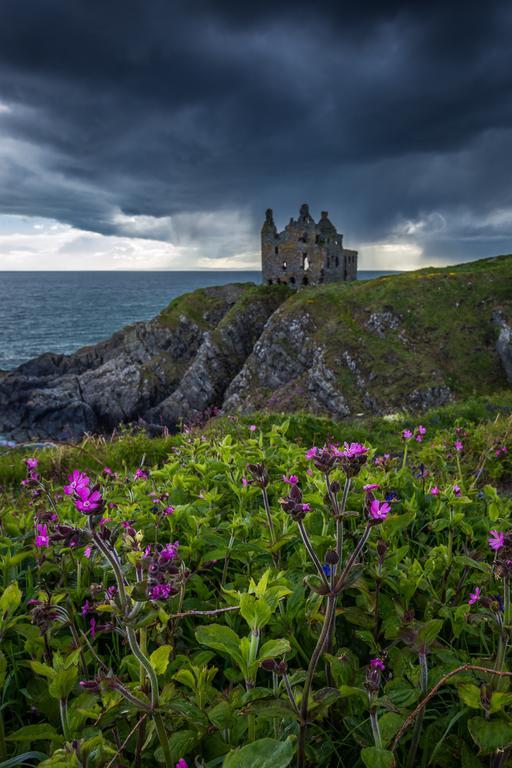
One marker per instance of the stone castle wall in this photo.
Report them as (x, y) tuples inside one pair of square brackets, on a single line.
[(305, 252)]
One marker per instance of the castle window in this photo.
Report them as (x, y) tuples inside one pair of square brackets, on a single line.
[(276, 250), (304, 237), (285, 265), (305, 280), (305, 262), (292, 280), (270, 281), (317, 239), (337, 261), (328, 262)]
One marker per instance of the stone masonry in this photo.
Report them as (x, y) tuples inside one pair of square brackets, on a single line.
[(305, 253)]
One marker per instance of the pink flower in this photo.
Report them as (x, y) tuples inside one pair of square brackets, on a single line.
[(88, 500), (312, 452), (406, 434), (107, 471), (42, 538), (32, 463), (456, 490), (141, 474), (245, 482), (92, 625), (181, 763), (88, 552), (371, 487), (170, 551), (77, 481), (422, 430), (168, 511), (306, 507), (496, 539), (458, 445), (292, 480), (434, 491), (419, 438), (253, 428), (377, 664), (85, 608), (160, 592), (351, 450), (309, 472), (379, 509), (474, 597)]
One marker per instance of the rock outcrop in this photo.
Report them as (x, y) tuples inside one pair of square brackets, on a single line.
[(412, 341)]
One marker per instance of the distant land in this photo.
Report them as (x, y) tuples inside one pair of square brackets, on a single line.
[(407, 341)]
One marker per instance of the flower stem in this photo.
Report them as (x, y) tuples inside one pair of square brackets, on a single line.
[(312, 554), (375, 728)]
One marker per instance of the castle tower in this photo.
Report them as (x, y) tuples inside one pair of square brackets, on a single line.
[(305, 253)]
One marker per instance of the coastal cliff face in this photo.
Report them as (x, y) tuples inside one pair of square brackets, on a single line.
[(407, 341)]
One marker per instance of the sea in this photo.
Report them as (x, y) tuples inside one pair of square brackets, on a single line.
[(63, 311)]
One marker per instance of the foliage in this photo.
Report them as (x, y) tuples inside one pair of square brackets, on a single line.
[(242, 600)]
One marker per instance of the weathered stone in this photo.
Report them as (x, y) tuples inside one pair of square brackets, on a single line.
[(504, 343), (305, 253)]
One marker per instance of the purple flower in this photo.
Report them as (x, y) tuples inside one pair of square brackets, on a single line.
[(474, 597), (379, 509), (170, 551), (434, 490), (312, 452), (107, 471), (168, 511), (351, 450), (32, 463), (42, 538), (181, 763), (141, 474), (456, 490), (371, 487), (406, 434), (422, 430), (306, 507), (160, 592), (88, 500), (377, 664), (292, 480), (85, 608), (88, 552), (77, 481), (496, 539), (245, 482), (458, 445), (418, 438), (253, 428), (92, 625)]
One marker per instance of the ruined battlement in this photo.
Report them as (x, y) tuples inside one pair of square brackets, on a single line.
[(305, 252)]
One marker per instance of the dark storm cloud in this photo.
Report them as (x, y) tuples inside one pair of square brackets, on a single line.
[(384, 112)]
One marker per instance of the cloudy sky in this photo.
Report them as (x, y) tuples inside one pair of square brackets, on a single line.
[(153, 134)]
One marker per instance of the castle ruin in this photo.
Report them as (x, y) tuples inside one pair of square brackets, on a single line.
[(305, 253)]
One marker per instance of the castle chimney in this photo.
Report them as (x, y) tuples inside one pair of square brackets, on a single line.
[(324, 214), (304, 211)]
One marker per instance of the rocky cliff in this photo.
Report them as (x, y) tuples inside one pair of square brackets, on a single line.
[(407, 341)]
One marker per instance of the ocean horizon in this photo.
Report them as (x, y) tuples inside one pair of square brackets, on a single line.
[(61, 311)]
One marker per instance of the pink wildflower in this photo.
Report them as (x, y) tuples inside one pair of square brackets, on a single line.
[(377, 664), (422, 430), (371, 487), (168, 511), (141, 474), (292, 480), (77, 481), (419, 438), (245, 482), (496, 539), (160, 592), (312, 452), (181, 763), (351, 450), (92, 625), (88, 552), (42, 538), (458, 445), (406, 434), (456, 490), (88, 500), (379, 509), (474, 597), (170, 551), (32, 463), (107, 471), (434, 490), (253, 428)]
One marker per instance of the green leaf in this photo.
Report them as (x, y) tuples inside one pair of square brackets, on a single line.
[(220, 638), (11, 598), (160, 659), (429, 631), (470, 695), (389, 724), (500, 700), (273, 648), (490, 734), (264, 753), (373, 757), (39, 732), (25, 759), (63, 683), (3, 668)]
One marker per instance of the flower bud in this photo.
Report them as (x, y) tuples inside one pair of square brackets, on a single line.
[(269, 665), (331, 557)]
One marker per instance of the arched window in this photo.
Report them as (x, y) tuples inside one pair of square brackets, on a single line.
[(337, 261), (305, 280), (276, 250), (292, 280), (270, 281)]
